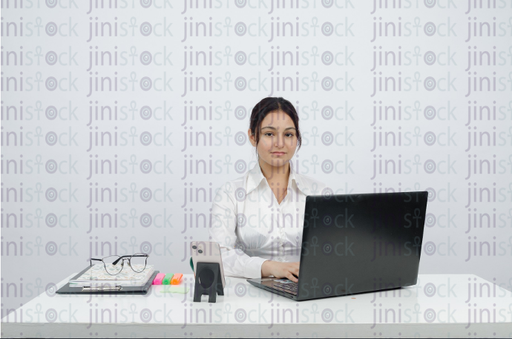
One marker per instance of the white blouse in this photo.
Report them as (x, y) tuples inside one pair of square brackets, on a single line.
[(251, 226)]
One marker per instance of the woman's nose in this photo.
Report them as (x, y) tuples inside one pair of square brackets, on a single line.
[(279, 141)]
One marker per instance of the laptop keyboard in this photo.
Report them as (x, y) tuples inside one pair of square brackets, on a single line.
[(289, 286)]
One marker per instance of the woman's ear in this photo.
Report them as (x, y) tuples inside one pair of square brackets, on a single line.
[(251, 137)]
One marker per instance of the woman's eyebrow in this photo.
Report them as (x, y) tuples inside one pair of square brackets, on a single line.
[(276, 129)]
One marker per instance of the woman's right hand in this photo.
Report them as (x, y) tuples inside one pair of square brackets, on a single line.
[(280, 269)]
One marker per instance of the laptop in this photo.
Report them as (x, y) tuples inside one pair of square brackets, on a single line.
[(356, 243)]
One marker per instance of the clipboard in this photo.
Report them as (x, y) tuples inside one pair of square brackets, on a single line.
[(138, 290)]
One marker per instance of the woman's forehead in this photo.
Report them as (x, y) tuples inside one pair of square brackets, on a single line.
[(277, 118)]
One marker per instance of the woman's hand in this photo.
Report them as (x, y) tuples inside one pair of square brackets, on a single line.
[(279, 269)]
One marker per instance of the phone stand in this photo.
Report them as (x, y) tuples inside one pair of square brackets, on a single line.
[(208, 281)]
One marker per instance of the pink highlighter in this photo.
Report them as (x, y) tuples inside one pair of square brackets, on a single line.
[(158, 279)]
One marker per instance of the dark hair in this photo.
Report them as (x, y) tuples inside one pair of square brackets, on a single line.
[(268, 105)]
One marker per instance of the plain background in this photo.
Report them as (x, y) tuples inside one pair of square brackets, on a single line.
[(56, 238)]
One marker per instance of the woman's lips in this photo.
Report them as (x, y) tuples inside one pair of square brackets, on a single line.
[(278, 153)]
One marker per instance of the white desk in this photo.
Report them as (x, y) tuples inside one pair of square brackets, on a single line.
[(438, 306)]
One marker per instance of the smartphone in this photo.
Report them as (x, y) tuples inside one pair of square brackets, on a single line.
[(207, 251)]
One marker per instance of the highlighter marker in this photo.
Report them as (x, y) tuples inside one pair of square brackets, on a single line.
[(167, 279), (158, 279), (177, 279)]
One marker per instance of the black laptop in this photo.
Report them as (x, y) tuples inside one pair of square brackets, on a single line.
[(356, 243)]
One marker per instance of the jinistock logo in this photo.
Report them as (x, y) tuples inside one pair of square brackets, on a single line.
[(122, 119)]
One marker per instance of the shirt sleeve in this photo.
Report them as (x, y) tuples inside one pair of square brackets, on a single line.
[(317, 187), (323, 188), (235, 261)]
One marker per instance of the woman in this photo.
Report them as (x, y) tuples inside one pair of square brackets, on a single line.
[(258, 218)]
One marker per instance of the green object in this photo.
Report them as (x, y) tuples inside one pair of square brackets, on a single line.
[(175, 289), (167, 279), (191, 264)]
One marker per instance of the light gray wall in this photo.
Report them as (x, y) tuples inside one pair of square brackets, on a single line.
[(46, 131)]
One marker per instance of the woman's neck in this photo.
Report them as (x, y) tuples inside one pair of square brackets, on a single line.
[(275, 173)]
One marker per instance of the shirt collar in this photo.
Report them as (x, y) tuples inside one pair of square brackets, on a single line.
[(255, 176)]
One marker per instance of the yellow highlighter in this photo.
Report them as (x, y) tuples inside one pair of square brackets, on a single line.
[(167, 279)]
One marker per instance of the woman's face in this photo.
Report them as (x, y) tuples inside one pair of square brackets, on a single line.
[(278, 139)]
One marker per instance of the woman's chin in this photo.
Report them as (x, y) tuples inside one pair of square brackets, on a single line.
[(277, 161)]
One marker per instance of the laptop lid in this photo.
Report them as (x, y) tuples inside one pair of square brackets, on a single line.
[(360, 243)]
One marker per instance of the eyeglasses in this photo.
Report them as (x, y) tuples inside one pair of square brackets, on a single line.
[(114, 264)]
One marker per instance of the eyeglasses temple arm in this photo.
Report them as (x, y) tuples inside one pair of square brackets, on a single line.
[(91, 259)]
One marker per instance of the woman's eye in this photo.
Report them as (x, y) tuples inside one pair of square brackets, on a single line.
[(290, 135)]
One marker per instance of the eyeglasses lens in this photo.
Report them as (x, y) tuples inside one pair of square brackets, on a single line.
[(138, 262), (109, 264)]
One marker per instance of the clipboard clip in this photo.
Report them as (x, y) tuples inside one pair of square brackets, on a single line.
[(101, 288)]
